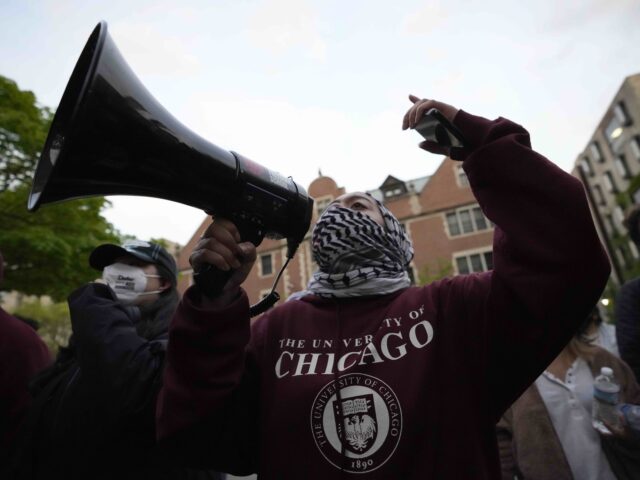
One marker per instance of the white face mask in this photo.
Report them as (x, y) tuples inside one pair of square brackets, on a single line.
[(127, 281)]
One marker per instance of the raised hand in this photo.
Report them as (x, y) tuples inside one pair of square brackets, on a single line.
[(222, 248)]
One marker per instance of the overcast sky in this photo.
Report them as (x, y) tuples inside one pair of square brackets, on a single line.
[(307, 85)]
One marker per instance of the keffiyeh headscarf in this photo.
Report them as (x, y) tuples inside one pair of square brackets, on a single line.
[(356, 256)]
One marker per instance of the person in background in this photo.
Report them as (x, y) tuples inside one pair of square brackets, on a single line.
[(22, 355), (627, 306), (547, 434), (363, 375), (603, 333), (94, 409)]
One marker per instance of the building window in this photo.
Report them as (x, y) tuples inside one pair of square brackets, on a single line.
[(618, 214), (623, 256), (613, 132), (609, 182), (479, 219), (393, 192), (466, 220), (392, 187), (585, 163), (620, 112), (635, 147), (452, 223), (474, 262), (464, 217), (461, 176), (266, 264), (622, 166), (596, 153), (599, 196), (609, 225)]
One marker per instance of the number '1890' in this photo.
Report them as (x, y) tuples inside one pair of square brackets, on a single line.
[(361, 464)]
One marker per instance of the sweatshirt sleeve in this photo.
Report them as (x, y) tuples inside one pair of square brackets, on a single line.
[(207, 407), (125, 368), (549, 265), (22, 355)]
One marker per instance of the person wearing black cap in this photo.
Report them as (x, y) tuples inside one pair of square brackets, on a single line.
[(143, 277), (93, 416)]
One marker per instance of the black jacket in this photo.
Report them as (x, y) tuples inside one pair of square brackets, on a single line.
[(628, 324), (93, 415)]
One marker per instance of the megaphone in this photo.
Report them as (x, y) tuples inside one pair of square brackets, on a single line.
[(109, 136)]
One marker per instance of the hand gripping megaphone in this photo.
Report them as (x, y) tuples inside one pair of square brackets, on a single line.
[(110, 136)]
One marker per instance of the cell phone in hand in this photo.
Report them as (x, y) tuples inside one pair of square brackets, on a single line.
[(435, 127)]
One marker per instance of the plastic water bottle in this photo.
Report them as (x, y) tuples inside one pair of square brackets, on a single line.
[(631, 415), (605, 399)]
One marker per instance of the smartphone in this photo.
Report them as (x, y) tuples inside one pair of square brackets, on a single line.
[(434, 127)]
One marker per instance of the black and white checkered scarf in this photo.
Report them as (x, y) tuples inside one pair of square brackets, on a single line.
[(356, 256)]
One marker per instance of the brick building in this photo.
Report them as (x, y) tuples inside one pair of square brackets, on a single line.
[(609, 167), (449, 232)]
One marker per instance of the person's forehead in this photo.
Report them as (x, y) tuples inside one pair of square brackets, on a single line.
[(349, 197)]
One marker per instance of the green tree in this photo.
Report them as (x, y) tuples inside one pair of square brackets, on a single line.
[(23, 130), (46, 252), (431, 273)]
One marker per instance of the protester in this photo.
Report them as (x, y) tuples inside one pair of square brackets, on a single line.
[(93, 414), (627, 306), (363, 373), (547, 434), (22, 355)]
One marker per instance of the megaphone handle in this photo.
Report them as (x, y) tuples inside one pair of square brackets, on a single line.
[(210, 280)]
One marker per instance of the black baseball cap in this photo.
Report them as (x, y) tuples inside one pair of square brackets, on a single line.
[(106, 254)]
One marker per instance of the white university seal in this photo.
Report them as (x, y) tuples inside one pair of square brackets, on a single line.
[(358, 417)]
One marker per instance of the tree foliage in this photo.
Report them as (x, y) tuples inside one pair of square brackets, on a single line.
[(23, 130), (46, 252), (432, 273)]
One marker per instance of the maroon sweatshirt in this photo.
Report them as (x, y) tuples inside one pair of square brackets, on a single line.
[(22, 355), (401, 386)]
